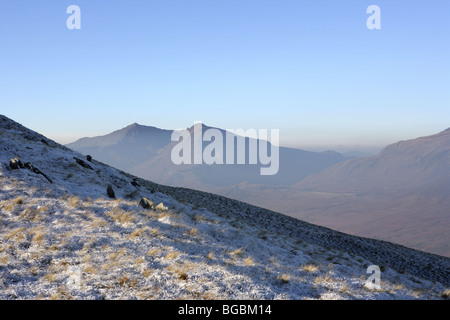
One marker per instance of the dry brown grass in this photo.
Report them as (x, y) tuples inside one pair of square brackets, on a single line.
[(90, 269), (284, 278), (15, 232), (446, 294), (136, 233), (155, 232), (179, 271), (249, 261), (172, 255), (38, 235), (115, 255), (30, 214), (62, 294), (11, 205), (74, 202), (147, 273), (323, 278), (153, 251), (123, 280), (123, 217), (199, 218), (237, 252), (18, 201), (98, 223), (50, 277), (309, 268), (132, 283)]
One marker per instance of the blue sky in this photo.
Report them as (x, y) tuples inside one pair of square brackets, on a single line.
[(309, 68)]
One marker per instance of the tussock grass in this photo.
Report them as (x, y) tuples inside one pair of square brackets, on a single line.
[(38, 235), (123, 280), (14, 233), (11, 205), (90, 269), (284, 278), (74, 202), (121, 216), (19, 200), (136, 233), (446, 294), (309, 268), (98, 223), (237, 252), (153, 252), (173, 254), (199, 218), (155, 232), (249, 261), (179, 271), (50, 277), (323, 278), (147, 272), (115, 255)]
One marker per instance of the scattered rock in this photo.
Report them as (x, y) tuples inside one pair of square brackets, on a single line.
[(89, 158), (134, 183), (37, 171), (161, 207), (83, 163), (110, 192), (146, 204), (29, 166), (16, 164)]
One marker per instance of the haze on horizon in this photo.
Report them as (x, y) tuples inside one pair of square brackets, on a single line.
[(312, 70)]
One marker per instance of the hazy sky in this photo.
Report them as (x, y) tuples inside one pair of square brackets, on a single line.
[(309, 68)]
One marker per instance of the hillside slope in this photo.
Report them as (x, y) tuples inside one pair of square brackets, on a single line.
[(125, 148), (401, 195), (63, 237), (416, 165)]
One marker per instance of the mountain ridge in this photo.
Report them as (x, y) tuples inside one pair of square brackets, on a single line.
[(397, 195), (157, 165), (63, 239)]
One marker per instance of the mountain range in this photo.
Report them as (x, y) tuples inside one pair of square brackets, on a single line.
[(72, 227), (400, 195), (146, 152)]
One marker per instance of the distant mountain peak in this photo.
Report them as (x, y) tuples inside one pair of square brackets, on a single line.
[(135, 125)]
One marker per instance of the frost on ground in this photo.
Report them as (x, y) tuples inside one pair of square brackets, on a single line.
[(65, 238)]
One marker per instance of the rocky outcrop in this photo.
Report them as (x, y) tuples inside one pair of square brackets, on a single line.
[(83, 163), (146, 203), (110, 192), (16, 164)]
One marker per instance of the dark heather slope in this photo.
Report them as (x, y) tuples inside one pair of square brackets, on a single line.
[(382, 253)]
